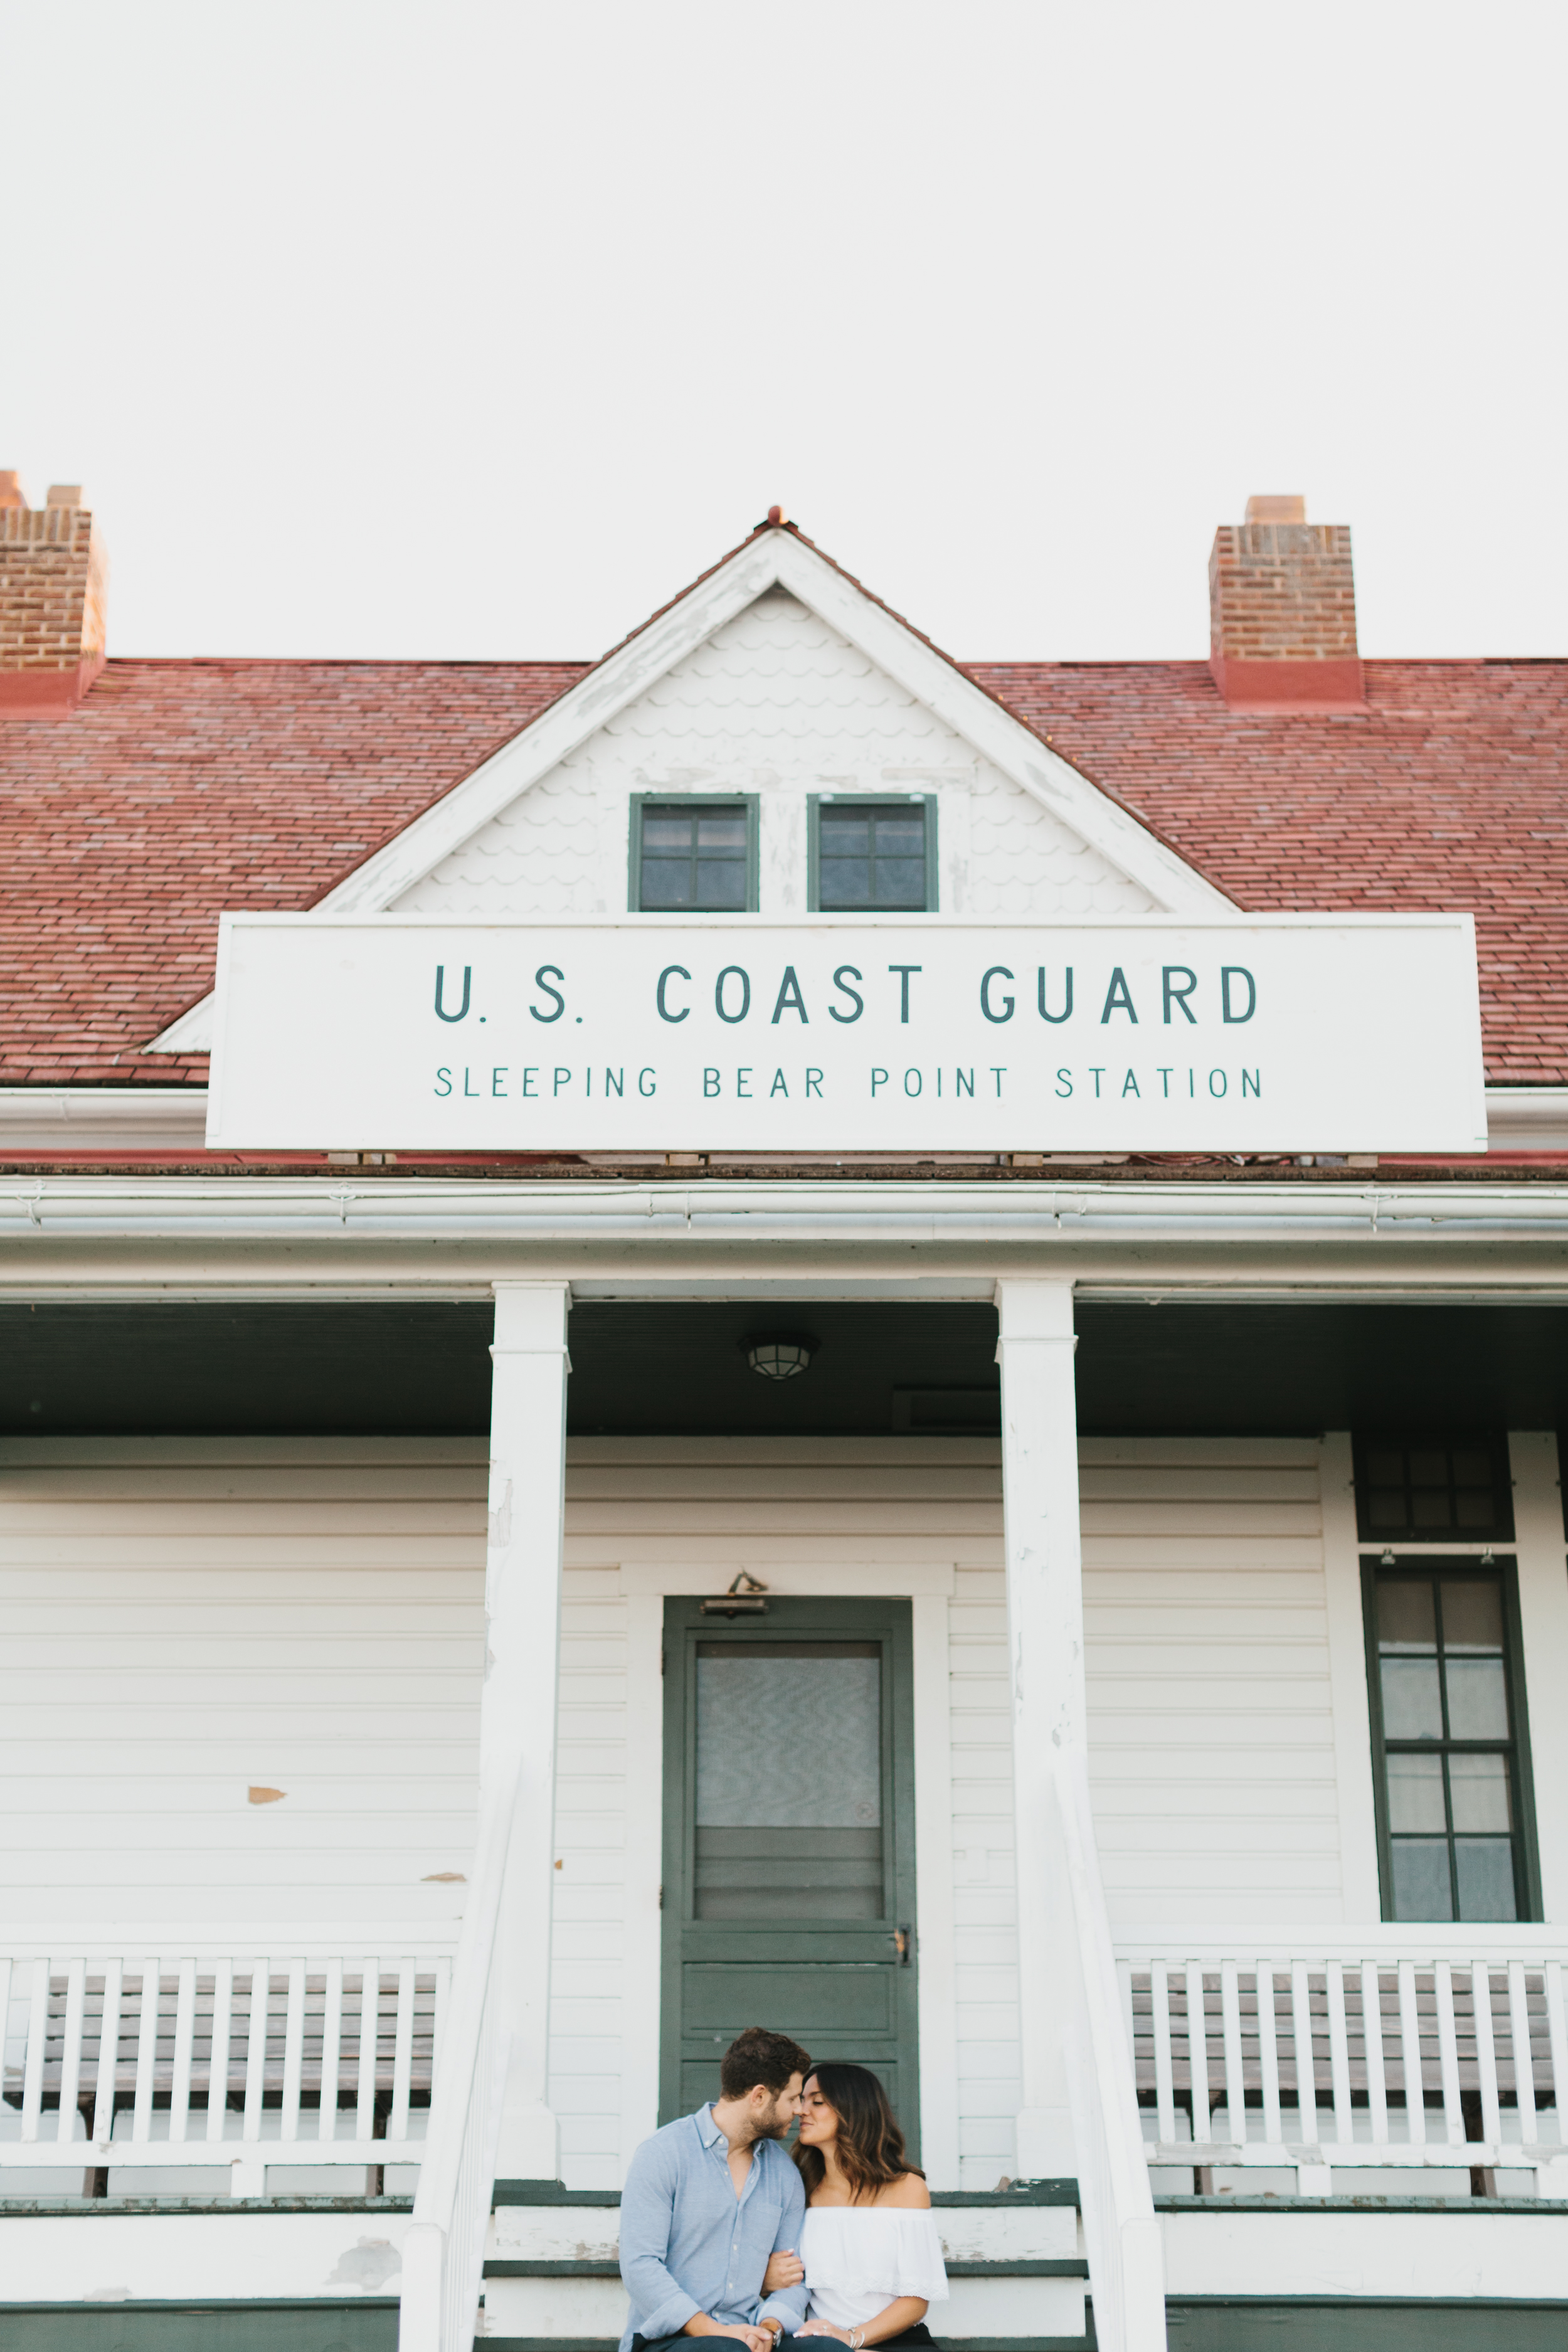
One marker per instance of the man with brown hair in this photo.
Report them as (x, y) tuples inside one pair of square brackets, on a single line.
[(709, 2199)]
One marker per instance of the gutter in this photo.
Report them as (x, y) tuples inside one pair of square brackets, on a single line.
[(714, 1213)]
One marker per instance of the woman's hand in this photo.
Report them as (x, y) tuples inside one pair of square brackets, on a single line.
[(821, 2328), (785, 2269)]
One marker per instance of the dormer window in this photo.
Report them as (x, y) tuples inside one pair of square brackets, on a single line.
[(873, 858), (693, 854)]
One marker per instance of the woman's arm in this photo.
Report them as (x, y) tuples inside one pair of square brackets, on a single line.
[(904, 2312)]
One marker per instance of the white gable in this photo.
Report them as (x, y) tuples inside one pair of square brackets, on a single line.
[(779, 704), (775, 674)]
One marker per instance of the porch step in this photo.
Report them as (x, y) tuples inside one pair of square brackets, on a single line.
[(203, 2324), (100, 2274), (1016, 2262)]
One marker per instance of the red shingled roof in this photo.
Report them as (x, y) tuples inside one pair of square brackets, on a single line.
[(1451, 793), (181, 787)]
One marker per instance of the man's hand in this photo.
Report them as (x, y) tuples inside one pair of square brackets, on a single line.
[(755, 2339), (785, 2269)]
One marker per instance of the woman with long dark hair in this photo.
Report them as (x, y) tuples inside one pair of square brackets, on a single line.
[(869, 2243)]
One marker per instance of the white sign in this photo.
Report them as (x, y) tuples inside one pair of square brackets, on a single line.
[(1283, 1032)]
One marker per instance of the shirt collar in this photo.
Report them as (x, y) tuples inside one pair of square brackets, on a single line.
[(707, 2131)]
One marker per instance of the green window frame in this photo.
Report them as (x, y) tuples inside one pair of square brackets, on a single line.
[(871, 804), (696, 804), (1450, 1738), (1445, 1487)]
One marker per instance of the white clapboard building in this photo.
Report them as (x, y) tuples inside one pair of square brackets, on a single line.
[(778, 1331)]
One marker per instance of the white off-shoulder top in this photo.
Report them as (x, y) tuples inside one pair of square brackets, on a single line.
[(860, 2258)]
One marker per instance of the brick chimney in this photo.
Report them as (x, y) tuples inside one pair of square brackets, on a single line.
[(1282, 612), (54, 577)]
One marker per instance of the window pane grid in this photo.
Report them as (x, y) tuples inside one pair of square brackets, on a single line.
[(693, 858), (1429, 1488), (1447, 1761), (871, 858)]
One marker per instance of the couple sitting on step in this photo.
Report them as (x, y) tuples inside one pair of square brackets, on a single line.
[(725, 2232)]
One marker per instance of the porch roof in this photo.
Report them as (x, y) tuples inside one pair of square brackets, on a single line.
[(925, 1370)]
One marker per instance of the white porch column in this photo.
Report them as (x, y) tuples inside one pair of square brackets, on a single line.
[(517, 1715), (1543, 1623), (1045, 1623)]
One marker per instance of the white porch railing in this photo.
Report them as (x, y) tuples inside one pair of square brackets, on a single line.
[(220, 2061), (443, 2252), (1397, 2049), (1125, 2260)]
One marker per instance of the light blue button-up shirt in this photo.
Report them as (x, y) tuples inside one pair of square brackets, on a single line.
[(688, 2243)]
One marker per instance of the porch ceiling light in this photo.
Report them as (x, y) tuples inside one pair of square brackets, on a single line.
[(780, 1355)]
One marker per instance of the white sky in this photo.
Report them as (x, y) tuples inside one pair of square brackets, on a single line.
[(462, 329)]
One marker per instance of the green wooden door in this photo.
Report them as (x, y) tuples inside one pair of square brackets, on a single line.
[(789, 1852)]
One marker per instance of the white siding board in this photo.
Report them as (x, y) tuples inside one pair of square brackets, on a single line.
[(644, 1523), (246, 1550), (711, 1555), (320, 1516), (1204, 1621), (1214, 1656), (139, 1455), (1150, 1483), (985, 1910), (1282, 1586), (1200, 1453), (184, 1618), (292, 1484), (1234, 1521), (769, 1452), (1211, 1703), (1212, 1554), (588, 2033), (349, 1762), (1120, 1803), (769, 1480)]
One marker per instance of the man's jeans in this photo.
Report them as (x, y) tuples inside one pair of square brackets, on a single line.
[(781, 2343), (918, 2335)]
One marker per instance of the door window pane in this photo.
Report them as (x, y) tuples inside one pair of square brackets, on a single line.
[(789, 1780), (870, 856), (789, 1735)]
